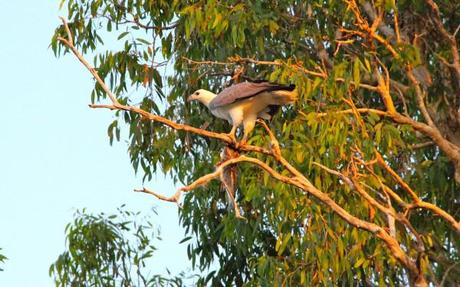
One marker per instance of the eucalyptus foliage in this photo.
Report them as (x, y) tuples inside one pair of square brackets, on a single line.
[(109, 250), (154, 53)]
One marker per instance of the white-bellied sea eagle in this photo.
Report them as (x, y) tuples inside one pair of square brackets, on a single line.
[(244, 103)]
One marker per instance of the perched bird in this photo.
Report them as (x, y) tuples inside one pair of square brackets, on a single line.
[(244, 103)]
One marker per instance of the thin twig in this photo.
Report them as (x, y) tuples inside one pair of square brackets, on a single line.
[(444, 277), (350, 111), (174, 198)]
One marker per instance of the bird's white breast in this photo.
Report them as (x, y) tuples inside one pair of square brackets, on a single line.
[(223, 113)]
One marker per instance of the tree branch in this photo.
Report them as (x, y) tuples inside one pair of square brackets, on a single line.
[(449, 37), (417, 202), (174, 198), (350, 111)]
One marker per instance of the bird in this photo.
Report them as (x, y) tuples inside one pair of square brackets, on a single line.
[(243, 103)]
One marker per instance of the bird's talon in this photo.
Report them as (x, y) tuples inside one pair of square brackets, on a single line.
[(232, 138)]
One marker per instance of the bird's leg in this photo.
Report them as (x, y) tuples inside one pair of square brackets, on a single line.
[(260, 120), (232, 134), (244, 140), (248, 126)]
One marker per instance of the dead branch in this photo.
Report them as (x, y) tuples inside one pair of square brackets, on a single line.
[(174, 198)]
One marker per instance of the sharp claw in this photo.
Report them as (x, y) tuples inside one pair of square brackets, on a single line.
[(232, 137)]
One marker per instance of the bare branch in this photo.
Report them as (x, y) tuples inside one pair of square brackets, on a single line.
[(422, 145), (369, 31), (417, 202), (346, 179), (174, 198), (420, 97), (444, 277), (274, 142), (350, 111)]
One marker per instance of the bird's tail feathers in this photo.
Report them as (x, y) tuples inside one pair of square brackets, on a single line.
[(285, 97)]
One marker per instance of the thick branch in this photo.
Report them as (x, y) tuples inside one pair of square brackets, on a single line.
[(370, 30), (452, 151)]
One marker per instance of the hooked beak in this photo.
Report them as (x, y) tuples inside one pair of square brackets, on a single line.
[(191, 98)]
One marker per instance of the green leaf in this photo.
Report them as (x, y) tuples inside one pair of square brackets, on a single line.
[(143, 41), (356, 72), (284, 243), (122, 35), (359, 262)]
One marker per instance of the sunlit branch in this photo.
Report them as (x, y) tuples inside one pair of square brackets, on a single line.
[(174, 198), (350, 111), (417, 202), (370, 30)]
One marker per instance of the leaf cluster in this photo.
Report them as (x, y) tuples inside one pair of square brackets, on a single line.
[(109, 250)]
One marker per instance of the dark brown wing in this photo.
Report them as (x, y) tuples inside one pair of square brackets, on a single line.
[(244, 90)]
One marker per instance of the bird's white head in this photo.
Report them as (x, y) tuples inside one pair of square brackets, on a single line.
[(202, 96)]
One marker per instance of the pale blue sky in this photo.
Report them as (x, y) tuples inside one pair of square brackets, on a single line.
[(54, 152)]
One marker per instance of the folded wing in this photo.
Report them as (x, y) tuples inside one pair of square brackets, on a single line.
[(243, 91)]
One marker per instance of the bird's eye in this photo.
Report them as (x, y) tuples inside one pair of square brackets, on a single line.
[(197, 93)]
